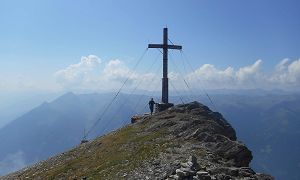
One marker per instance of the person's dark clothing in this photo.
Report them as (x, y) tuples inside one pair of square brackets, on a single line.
[(151, 106)]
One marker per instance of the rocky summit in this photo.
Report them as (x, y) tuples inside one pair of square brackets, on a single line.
[(185, 142)]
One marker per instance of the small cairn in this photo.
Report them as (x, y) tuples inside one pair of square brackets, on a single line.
[(190, 170)]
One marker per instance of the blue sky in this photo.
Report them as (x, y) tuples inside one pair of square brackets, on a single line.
[(42, 37)]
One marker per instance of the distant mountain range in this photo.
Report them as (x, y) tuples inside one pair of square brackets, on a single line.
[(270, 126), (14, 105), (268, 123)]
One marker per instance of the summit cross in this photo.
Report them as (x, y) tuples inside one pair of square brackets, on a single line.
[(165, 46)]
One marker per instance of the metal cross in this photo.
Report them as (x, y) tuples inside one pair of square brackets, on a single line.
[(165, 46)]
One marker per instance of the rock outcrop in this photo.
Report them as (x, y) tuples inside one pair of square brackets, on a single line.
[(184, 142)]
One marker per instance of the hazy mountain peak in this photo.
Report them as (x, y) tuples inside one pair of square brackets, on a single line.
[(68, 95)]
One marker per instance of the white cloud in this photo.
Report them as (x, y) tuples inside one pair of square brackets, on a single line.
[(116, 70), (91, 74), (283, 76), (76, 74), (293, 71), (281, 66), (208, 73), (287, 73), (249, 73)]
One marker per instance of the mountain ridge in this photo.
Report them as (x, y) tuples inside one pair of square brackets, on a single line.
[(156, 147)]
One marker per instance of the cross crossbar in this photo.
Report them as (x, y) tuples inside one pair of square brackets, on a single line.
[(163, 46)]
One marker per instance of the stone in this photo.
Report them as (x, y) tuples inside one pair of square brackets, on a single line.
[(193, 159), (202, 173), (180, 173), (186, 165), (193, 105), (195, 178), (188, 171), (177, 177)]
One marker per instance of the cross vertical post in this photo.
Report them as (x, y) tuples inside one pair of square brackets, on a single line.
[(165, 46), (165, 83)]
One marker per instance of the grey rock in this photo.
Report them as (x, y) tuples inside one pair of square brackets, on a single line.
[(202, 173), (181, 173), (192, 159), (186, 165)]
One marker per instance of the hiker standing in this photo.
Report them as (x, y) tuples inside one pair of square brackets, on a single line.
[(151, 105)]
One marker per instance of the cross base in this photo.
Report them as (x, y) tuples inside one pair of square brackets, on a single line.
[(162, 106)]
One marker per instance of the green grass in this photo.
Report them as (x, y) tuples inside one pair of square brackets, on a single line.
[(120, 152)]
